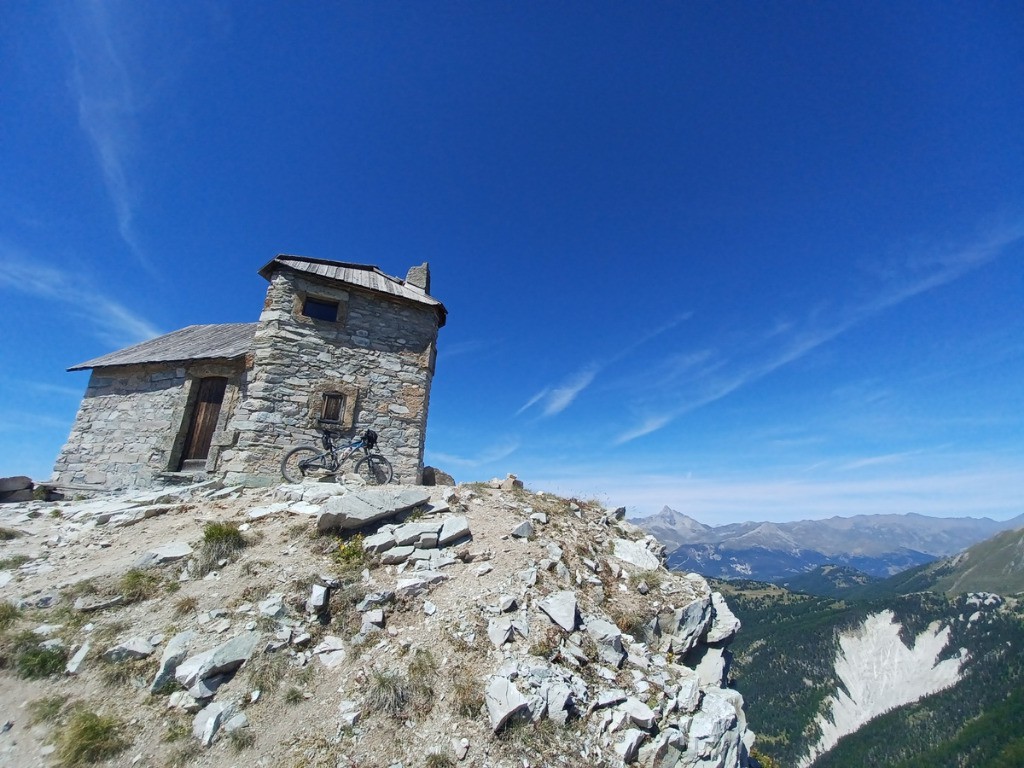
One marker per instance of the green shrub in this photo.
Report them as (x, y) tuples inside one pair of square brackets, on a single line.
[(34, 662), (139, 585), (46, 709), (12, 562), (89, 738), (6, 534), (9, 613), (221, 541)]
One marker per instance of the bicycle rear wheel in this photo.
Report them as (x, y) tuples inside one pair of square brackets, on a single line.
[(374, 469), (303, 462)]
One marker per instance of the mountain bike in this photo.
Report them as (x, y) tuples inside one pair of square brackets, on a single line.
[(308, 461)]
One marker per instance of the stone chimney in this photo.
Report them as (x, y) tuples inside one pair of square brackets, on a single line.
[(420, 277)]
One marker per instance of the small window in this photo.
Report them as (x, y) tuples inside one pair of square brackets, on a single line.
[(333, 407), (319, 309)]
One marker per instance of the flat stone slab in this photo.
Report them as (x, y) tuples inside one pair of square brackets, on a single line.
[(413, 533), (561, 608), (87, 604), (355, 510), (504, 701), (174, 653), (331, 651), (636, 553), (166, 553), (224, 658), (133, 648), (454, 528)]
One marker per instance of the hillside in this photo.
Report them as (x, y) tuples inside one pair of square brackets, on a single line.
[(919, 679), (310, 626)]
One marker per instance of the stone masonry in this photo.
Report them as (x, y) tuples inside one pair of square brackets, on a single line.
[(379, 354), (376, 357), (130, 424)]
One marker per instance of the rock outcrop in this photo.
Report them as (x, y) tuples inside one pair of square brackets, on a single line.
[(455, 614)]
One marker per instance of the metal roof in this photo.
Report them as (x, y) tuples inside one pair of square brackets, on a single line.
[(197, 342), (364, 276)]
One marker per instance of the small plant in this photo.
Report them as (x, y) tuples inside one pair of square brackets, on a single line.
[(265, 672), (33, 661), (293, 695), (387, 692), (221, 541), (89, 737), (422, 670), (137, 586), (439, 760), (55, 512), (186, 605), (6, 534), (9, 613), (241, 738), (12, 562), (350, 552), (467, 694), (129, 672), (46, 709), (177, 730)]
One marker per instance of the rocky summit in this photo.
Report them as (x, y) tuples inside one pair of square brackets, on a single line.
[(314, 625)]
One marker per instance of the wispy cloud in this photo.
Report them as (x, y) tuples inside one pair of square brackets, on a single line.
[(556, 398), (487, 456), (793, 342), (108, 320), (107, 108)]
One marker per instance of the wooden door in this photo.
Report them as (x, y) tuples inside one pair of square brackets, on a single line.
[(203, 421)]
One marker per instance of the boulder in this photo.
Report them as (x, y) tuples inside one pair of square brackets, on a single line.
[(561, 609), (74, 664), (665, 751), (133, 648), (499, 631), (413, 533), (174, 653), (355, 510), (724, 624), (16, 483), (435, 476), (224, 658), (629, 745), (167, 553), (331, 651), (637, 553), (524, 530), (453, 529), (608, 638), (639, 713), (504, 701), (379, 542)]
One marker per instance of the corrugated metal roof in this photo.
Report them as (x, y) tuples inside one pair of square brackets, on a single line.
[(197, 342), (361, 275)]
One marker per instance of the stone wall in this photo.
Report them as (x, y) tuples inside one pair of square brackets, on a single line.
[(132, 421), (379, 353)]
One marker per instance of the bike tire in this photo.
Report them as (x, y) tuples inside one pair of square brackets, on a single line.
[(293, 467), (374, 469)]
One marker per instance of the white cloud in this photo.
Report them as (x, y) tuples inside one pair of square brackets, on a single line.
[(107, 319), (107, 107), (707, 385), (488, 456)]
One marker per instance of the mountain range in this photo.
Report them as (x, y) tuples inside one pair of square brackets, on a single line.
[(877, 545)]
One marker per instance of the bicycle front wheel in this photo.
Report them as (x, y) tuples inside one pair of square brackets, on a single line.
[(374, 469), (302, 462)]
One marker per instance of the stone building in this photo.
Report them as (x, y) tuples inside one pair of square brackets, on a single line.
[(339, 343)]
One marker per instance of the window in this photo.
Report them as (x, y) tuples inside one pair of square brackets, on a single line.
[(320, 309), (333, 407)]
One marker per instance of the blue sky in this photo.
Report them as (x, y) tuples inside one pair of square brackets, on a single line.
[(753, 261)]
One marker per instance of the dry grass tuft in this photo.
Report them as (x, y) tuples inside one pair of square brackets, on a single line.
[(89, 738)]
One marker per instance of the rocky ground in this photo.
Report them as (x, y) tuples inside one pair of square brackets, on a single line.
[(312, 625)]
